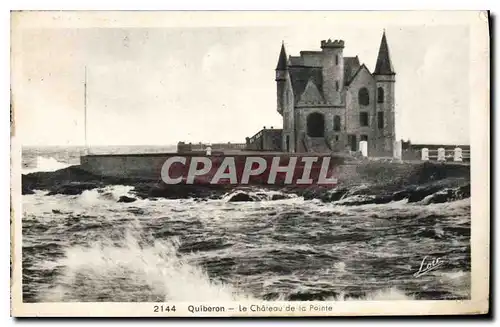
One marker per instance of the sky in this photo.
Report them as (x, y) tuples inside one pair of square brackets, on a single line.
[(160, 85)]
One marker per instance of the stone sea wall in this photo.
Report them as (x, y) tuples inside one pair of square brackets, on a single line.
[(362, 182), (148, 167)]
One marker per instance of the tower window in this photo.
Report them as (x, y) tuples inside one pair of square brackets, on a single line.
[(380, 95), (336, 123), (380, 119), (337, 85), (363, 96), (337, 60), (363, 118)]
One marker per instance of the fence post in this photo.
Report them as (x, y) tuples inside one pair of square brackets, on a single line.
[(441, 154), (457, 154), (425, 154), (397, 150), (363, 147)]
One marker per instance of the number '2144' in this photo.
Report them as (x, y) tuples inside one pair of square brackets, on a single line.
[(164, 308)]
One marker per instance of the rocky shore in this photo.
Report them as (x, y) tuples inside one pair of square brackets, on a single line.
[(368, 183)]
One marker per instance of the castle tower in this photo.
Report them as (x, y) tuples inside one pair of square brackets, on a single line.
[(281, 72), (333, 70), (385, 78), (285, 103)]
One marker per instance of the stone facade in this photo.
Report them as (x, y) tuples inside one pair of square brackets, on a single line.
[(330, 103)]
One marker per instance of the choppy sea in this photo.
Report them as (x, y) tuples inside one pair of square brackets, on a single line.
[(88, 247)]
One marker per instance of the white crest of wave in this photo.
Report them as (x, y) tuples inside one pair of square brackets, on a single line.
[(258, 194), (129, 271), (108, 193), (46, 164)]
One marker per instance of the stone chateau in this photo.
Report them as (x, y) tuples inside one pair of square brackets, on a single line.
[(330, 103)]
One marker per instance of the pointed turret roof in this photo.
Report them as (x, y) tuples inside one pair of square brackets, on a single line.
[(384, 65), (282, 62)]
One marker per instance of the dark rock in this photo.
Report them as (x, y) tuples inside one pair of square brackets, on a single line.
[(411, 181), (441, 196), (68, 180), (448, 195), (126, 199), (275, 197), (241, 197), (313, 192), (421, 192), (335, 195), (180, 191), (56, 211), (400, 195), (464, 191), (73, 188)]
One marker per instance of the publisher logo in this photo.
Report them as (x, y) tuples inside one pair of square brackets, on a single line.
[(244, 170)]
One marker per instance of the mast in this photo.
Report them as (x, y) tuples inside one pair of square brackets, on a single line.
[(85, 108)]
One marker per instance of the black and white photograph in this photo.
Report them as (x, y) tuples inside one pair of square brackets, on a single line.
[(250, 164)]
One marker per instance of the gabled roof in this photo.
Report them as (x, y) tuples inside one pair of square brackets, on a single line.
[(358, 71), (311, 94), (384, 64), (351, 66), (301, 75)]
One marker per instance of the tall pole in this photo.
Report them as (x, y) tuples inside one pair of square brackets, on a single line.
[(85, 107)]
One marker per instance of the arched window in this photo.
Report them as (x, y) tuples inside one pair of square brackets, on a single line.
[(380, 95), (336, 123), (363, 96)]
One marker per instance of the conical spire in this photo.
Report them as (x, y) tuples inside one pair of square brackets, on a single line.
[(282, 65), (384, 65)]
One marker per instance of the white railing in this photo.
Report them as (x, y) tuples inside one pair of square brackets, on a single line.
[(442, 154)]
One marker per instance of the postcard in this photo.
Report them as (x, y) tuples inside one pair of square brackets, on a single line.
[(249, 164)]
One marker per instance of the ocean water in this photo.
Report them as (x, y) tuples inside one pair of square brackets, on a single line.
[(88, 247)]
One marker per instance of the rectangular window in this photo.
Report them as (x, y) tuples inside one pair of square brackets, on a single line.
[(380, 119), (337, 60), (363, 118), (337, 85), (364, 138)]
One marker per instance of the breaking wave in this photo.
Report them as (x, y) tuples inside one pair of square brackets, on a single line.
[(130, 270), (45, 164)]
